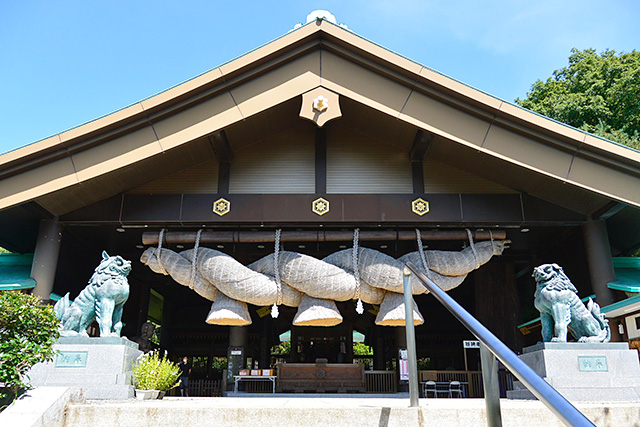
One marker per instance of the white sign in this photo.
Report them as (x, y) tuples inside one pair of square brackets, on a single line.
[(471, 344), (404, 369)]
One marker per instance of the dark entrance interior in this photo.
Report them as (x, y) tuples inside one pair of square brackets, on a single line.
[(500, 295)]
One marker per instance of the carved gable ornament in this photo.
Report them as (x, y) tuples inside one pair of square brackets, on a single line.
[(320, 105)]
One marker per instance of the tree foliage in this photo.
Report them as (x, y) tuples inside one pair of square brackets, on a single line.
[(598, 93), (28, 331), (282, 349), (361, 349)]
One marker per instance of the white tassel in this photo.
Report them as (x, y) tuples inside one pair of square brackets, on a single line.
[(359, 307), (274, 311)]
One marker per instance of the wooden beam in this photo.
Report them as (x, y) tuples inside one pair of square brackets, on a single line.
[(607, 211), (321, 160), (223, 152), (418, 152), (417, 174), (151, 238), (420, 145), (221, 146)]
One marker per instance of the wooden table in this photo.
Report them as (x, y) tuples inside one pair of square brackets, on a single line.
[(321, 378), (239, 378)]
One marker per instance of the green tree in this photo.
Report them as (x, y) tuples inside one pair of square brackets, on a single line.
[(3, 251), (598, 93), (361, 349), (282, 349), (28, 331)]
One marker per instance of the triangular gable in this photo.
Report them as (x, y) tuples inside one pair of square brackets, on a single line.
[(319, 54)]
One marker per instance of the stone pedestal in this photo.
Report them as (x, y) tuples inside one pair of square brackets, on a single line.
[(584, 371), (101, 365)]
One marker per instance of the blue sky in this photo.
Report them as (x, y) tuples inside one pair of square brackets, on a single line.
[(63, 63)]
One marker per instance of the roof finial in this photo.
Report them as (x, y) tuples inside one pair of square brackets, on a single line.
[(319, 15)]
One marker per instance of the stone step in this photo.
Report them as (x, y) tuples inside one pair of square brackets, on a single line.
[(283, 411)]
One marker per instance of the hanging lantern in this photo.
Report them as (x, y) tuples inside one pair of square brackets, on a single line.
[(228, 312), (317, 312), (392, 311)]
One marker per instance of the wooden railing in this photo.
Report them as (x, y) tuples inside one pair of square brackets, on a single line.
[(265, 386), (472, 378), (380, 381), (201, 388)]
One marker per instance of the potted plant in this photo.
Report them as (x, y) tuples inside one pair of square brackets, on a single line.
[(154, 375)]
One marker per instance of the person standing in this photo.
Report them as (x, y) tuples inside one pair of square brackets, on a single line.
[(185, 371)]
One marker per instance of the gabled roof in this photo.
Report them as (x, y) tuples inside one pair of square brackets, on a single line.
[(128, 147)]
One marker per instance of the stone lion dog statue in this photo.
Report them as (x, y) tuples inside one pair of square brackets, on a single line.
[(561, 309), (102, 299)]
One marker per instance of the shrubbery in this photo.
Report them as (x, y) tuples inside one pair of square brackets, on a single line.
[(153, 372), (28, 331)]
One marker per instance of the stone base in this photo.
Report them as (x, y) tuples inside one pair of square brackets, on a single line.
[(101, 365), (584, 371)]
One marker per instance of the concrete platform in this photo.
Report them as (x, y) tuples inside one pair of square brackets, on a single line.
[(325, 410), (601, 372), (41, 407), (102, 365)]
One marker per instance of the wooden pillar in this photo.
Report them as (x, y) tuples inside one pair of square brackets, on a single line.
[(264, 361), (293, 355), (45, 257), (378, 348), (497, 302), (601, 272), (143, 308), (238, 336), (349, 344), (596, 242), (401, 342), (165, 328)]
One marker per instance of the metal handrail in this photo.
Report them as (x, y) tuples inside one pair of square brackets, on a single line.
[(553, 400)]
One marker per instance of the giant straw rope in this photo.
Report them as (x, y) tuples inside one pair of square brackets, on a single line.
[(299, 280)]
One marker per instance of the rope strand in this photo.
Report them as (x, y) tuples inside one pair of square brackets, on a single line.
[(157, 251), (493, 248), (194, 258), (423, 258), (473, 248), (356, 269), (276, 269)]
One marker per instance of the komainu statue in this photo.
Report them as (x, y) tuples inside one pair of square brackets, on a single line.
[(560, 309), (102, 300)]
